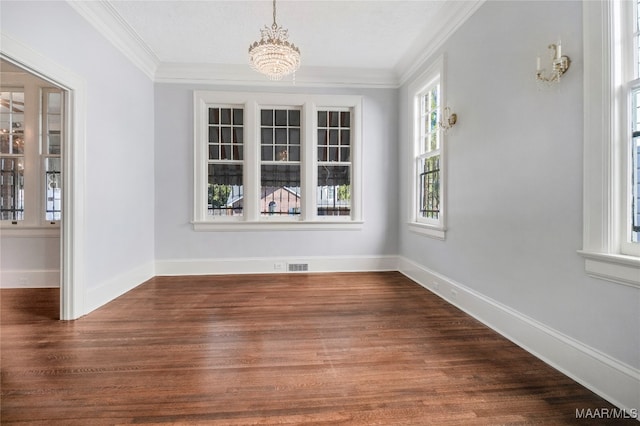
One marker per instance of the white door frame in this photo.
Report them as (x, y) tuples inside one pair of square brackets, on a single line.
[(72, 277)]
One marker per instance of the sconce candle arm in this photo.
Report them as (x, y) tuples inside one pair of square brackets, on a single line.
[(559, 65)]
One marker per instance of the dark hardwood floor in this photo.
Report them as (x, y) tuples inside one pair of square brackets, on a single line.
[(358, 349)]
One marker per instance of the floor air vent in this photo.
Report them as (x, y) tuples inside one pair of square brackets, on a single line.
[(298, 267)]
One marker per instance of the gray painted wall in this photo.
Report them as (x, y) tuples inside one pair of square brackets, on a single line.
[(515, 179), (175, 238), (119, 232)]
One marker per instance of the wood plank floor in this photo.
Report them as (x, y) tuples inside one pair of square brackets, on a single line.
[(353, 349)]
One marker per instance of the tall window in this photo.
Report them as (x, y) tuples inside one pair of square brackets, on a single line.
[(225, 144), (277, 161), (280, 162), (12, 155), (427, 168), (428, 161), (51, 149), (31, 132), (334, 163)]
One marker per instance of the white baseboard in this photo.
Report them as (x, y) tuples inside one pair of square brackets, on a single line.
[(611, 379), (117, 286), (275, 265), (49, 278)]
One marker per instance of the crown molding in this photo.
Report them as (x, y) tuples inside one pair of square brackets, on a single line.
[(106, 20), (447, 22), (102, 16), (306, 77)]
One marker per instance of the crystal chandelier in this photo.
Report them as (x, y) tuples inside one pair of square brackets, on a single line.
[(273, 55)]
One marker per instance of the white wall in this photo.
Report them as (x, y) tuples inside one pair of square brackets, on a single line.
[(118, 205), (515, 180), (175, 238)]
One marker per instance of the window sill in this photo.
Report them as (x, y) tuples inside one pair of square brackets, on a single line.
[(22, 231), (234, 226), (430, 231), (617, 268)]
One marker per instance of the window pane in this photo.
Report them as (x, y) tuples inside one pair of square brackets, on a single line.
[(12, 189), (333, 193), (345, 119), (53, 143), (280, 190), (294, 153), (334, 119), (281, 141), (294, 136), (17, 143), (322, 119), (214, 116), (429, 184), (267, 136), (12, 123), (281, 117), (238, 117), (225, 115), (53, 188), (281, 136), (267, 153), (54, 123), (266, 117), (345, 137), (322, 137), (333, 137), (214, 152), (214, 134), (225, 190), (225, 135), (294, 117), (54, 103), (225, 138)]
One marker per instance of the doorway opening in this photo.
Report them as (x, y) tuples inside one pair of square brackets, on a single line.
[(32, 137), (62, 189)]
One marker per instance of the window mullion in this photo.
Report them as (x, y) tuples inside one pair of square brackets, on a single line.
[(309, 161), (33, 193), (252, 162), (200, 167)]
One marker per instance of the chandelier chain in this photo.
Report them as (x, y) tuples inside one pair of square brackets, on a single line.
[(274, 14)]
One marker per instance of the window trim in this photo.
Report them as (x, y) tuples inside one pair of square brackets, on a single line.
[(251, 219), (433, 229), (603, 170)]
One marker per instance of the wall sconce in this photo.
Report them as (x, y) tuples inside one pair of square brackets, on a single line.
[(448, 120), (559, 65)]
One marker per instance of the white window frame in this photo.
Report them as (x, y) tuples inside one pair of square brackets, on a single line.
[(431, 228), (251, 219), (34, 223), (606, 169)]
